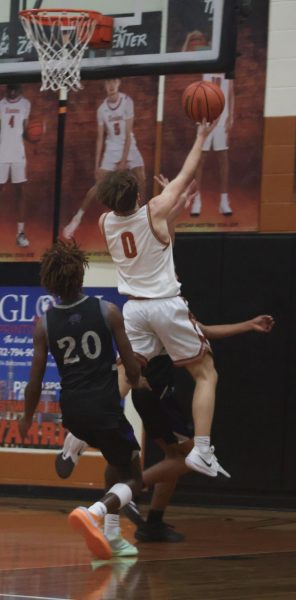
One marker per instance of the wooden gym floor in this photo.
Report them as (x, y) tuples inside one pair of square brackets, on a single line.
[(228, 555)]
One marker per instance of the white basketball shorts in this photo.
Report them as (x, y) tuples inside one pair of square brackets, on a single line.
[(152, 325), (217, 139), (16, 171), (112, 157)]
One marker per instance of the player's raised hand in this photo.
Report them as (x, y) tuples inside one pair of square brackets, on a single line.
[(190, 193), (205, 128), (262, 323), (162, 180)]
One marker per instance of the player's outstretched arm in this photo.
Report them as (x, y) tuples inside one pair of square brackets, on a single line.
[(130, 363), (162, 205), (34, 386), (261, 324)]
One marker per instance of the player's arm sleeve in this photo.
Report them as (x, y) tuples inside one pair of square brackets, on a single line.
[(129, 109), (100, 116), (27, 110)]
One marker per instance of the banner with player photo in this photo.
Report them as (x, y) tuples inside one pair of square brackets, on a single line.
[(228, 179), (28, 121), (19, 308), (99, 120), (229, 176)]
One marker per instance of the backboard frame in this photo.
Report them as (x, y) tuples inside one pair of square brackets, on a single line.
[(215, 59)]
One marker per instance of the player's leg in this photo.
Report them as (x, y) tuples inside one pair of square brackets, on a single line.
[(220, 146), (164, 476), (118, 446), (4, 174), (196, 204), (71, 227), (223, 161), (18, 178), (90, 196), (187, 347), (202, 458), (68, 458)]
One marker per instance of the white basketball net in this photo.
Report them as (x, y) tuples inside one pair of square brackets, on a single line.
[(60, 46)]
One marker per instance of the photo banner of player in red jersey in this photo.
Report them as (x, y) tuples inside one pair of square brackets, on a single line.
[(28, 122)]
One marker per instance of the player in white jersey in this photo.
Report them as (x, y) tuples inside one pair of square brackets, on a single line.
[(14, 114), (116, 147), (156, 315), (218, 141)]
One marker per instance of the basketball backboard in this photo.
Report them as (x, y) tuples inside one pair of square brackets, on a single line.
[(150, 37)]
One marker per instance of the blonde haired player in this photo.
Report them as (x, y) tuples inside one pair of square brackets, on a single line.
[(116, 147), (218, 141), (14, 114)]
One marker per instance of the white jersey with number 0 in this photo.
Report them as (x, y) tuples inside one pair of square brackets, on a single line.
[(13, 113), (144, 263), (114, 116)]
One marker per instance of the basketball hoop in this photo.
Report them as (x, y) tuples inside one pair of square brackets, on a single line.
[(60, 38)]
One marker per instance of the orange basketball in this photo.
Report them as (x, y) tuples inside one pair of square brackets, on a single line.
[(34, 131), (203, 100)]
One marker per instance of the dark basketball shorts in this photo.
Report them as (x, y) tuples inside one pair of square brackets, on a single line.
[(161, 417), (117, 444)]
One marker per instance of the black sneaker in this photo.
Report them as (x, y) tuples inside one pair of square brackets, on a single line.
[(64, 466), (158, 532), (132, 512)]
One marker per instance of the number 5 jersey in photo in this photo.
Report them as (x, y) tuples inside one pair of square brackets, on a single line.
[(114, 117)]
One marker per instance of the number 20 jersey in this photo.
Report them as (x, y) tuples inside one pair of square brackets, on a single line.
[(81, 344)]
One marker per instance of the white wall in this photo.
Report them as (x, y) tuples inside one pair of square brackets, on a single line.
[(280, 97)]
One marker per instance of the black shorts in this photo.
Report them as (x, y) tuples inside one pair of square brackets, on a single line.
[(117, 444), (161, 417)]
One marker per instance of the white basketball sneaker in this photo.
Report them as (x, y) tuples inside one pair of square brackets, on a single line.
[(68, 458), (21, 240), (225, 208), (196, 206), (205, 462)]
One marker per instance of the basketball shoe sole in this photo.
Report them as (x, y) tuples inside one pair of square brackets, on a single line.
[(82, 521)]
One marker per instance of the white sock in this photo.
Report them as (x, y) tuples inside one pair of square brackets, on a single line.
[(98, 508), (80, 214), (111, 526), (202, 442), (20, 228), (224, 197)]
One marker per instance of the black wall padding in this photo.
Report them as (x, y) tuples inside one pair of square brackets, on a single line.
[(229, 278), (15, 274)]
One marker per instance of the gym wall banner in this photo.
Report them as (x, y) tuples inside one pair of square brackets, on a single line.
[(19, 309)]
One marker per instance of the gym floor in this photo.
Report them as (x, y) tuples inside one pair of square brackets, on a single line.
[(228, 554)]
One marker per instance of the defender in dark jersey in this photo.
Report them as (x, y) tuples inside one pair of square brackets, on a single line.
[(165, 423), (78, 333)]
